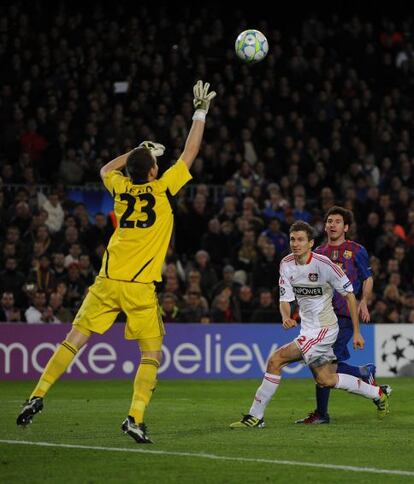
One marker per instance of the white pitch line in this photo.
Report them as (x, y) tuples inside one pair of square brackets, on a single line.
[(371, 470)]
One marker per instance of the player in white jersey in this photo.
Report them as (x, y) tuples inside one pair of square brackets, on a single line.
[(310, 279)]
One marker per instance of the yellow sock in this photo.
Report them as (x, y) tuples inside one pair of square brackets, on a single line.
[(57, 365), (144, 385)]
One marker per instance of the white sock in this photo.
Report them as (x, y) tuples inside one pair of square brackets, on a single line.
[(264, 394), (353, 384)]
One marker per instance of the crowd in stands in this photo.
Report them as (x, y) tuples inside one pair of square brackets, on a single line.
[(325, 119)]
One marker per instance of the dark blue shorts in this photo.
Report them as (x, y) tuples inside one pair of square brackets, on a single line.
[(344, 336)]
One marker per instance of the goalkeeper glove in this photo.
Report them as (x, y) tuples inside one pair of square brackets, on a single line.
[(202, 97), (157, 149)]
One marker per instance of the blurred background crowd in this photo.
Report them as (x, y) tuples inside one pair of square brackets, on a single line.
[(325, 119)]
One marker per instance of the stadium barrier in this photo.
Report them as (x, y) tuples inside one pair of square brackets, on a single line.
[(198, 351)]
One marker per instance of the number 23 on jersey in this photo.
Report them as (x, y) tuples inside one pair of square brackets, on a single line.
[(148, 202)]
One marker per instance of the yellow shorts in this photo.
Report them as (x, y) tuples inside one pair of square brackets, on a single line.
[(107, 297)]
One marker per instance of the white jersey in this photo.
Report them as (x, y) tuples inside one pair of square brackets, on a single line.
[(313, 284)]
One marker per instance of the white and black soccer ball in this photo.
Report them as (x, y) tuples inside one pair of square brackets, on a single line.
[(396, 352), (251, 46)]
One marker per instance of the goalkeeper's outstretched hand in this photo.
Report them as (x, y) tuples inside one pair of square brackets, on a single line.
[(202, 97)]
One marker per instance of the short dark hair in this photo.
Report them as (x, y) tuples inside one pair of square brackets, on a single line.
[(138, 164), (301, 226), (346, 214)]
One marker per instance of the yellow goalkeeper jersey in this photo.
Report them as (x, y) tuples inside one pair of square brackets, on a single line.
[(145, 220)]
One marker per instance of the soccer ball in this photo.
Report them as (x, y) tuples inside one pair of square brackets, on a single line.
[(251, 46)]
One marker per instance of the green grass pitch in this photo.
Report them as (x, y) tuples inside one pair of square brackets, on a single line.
[(188, 421)]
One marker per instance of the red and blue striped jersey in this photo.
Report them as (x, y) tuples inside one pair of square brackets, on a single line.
[(354, 261)]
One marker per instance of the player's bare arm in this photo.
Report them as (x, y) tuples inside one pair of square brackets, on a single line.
[(116, 164), (358, 340), (193, 143), (202, 99), (367, 286), (288, 322)]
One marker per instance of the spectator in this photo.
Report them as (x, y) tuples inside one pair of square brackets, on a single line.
[(379, 313), (43, 276), (170, 312), (245, 254), (98, 233), (266, 311), (265, 269), (76, 286), (371, 231), (251, 213), (213, 242), (13, 237), (208, 274), (11, 280), (54, 211), (8, 250), (191, 228), (229, 210), (96, 256), (246, 303), (174, 269), (62, 314), (71, 237), (194, 286), (87, 272), (227, 281), (299, 209), (72, 169), (275, 205), (221, 310), (58, 265), (278, 238), (171, 285), (9, 313), (39, 312), (245, 178), (193, 278), (392, 294), (230, 238), (62, 290), (32, 142), (42, 244), (392, 315), (75, 251), (194, 309), (22, 217), (405, 263)]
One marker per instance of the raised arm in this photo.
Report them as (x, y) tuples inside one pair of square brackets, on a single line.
[(115, 164), (157, 149), (202, 99)]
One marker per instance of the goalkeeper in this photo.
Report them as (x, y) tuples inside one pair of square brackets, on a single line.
[(131, 264)]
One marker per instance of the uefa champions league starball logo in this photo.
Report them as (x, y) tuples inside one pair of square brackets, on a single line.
[(396, 352)]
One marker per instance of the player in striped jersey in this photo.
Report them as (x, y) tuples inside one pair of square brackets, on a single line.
[(311, 279), (352, 258)]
